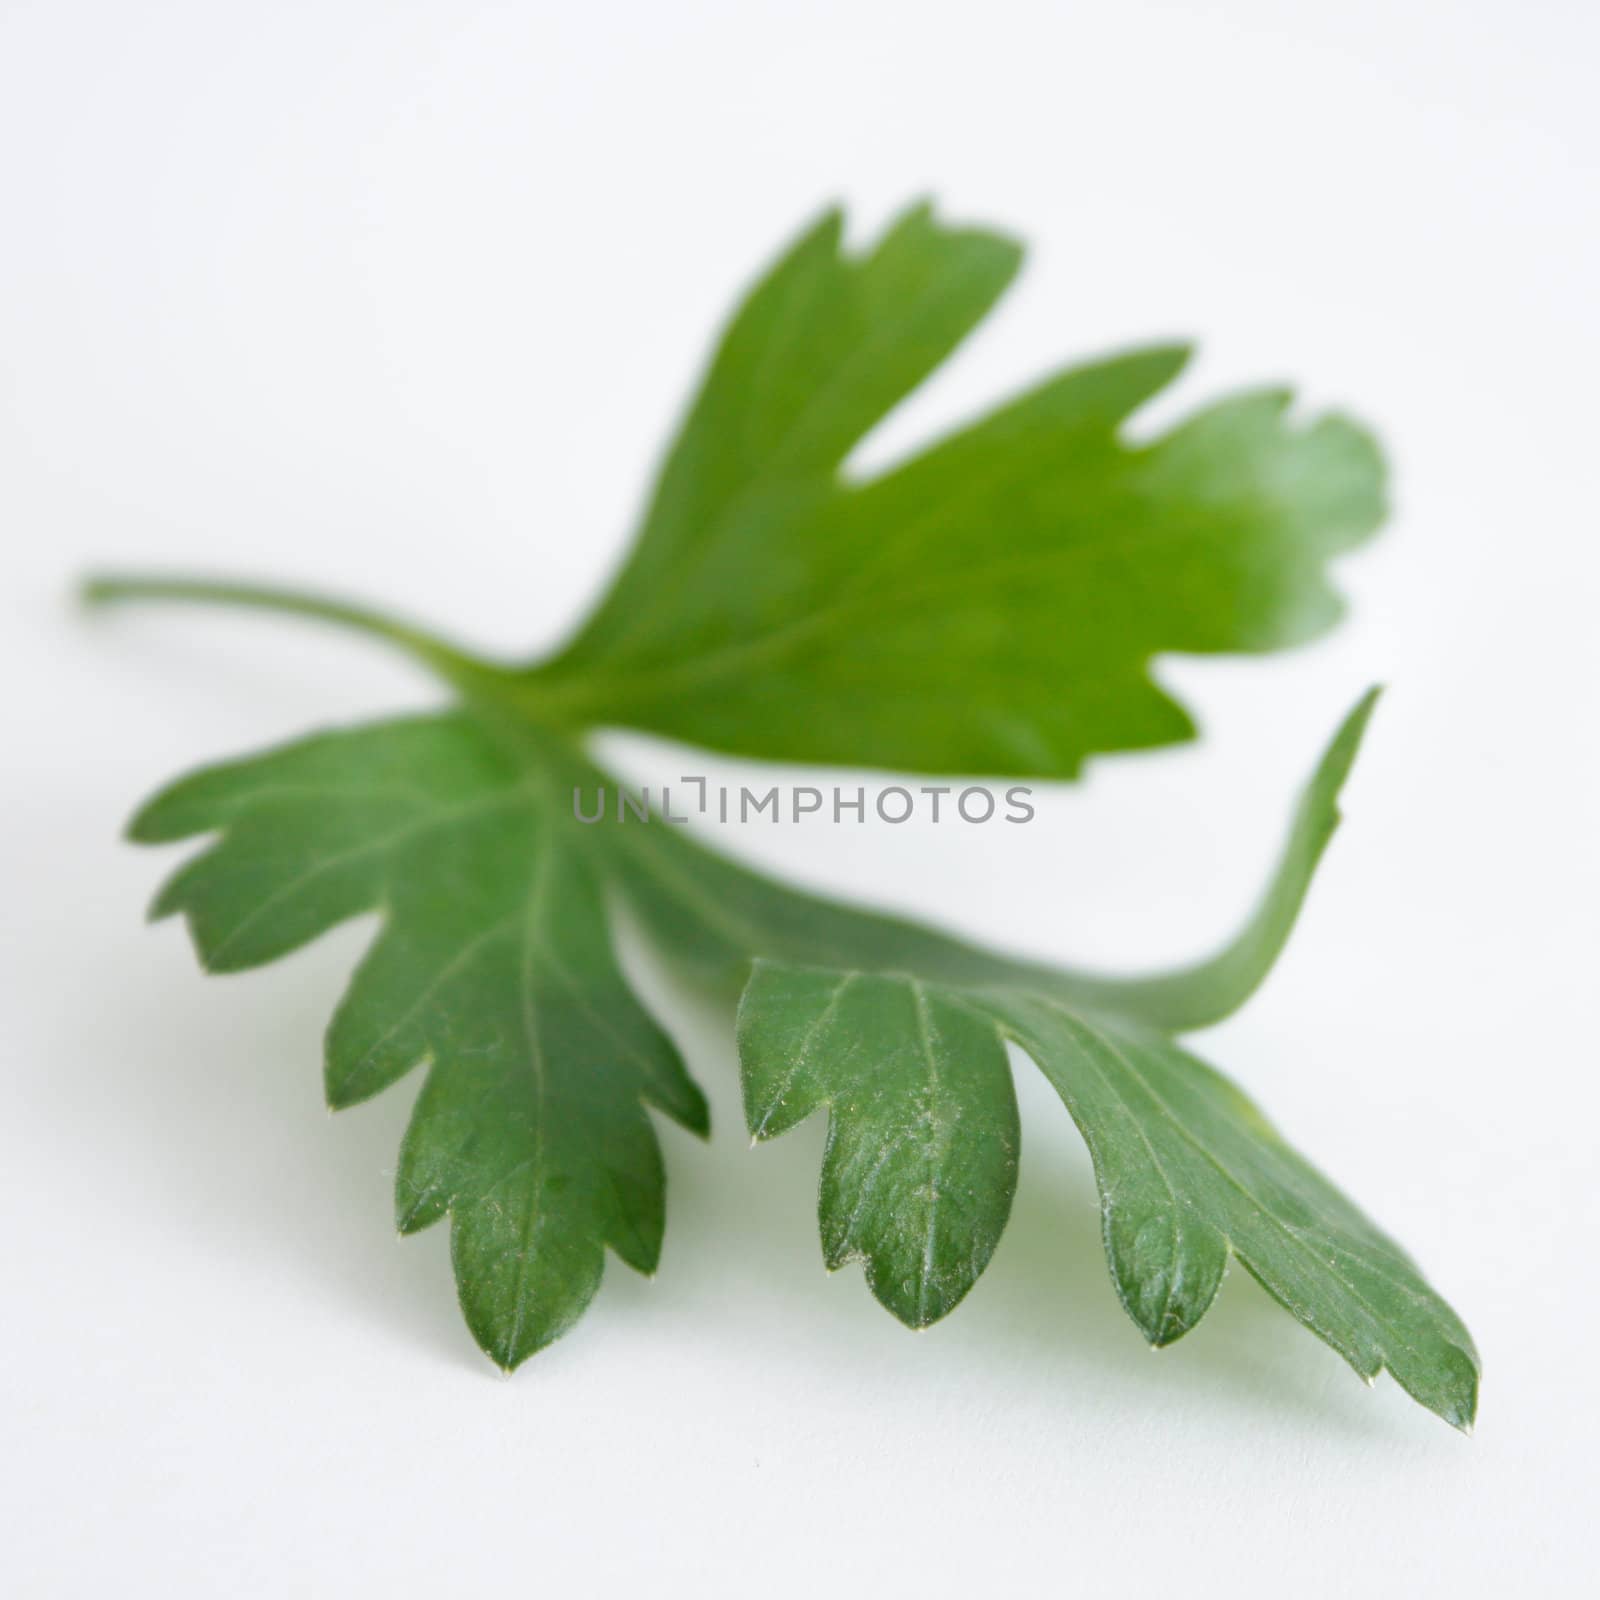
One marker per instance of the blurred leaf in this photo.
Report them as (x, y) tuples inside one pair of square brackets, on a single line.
[(991, 605)]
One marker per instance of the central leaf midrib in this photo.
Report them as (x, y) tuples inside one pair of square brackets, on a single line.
[(533, 1212)]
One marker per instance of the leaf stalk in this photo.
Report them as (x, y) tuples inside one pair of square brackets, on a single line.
[(456, 666)]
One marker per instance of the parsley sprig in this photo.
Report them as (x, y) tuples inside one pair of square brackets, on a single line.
[(990, 605)]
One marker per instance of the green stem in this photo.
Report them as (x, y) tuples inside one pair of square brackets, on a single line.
[(455, 666)]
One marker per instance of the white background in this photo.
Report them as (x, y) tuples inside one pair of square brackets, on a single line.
[(401, 299)]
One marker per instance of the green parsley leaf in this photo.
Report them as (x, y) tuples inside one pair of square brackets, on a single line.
[(990, 605), (922, 1155), (899, 1032), (493, 965)]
